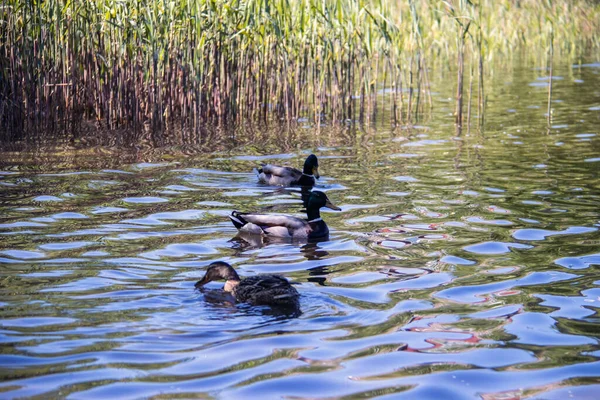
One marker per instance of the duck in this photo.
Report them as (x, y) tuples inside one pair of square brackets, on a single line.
[(286, 226), (267, 290), (276, 175)]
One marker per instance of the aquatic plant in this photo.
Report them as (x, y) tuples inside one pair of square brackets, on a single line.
[(178, 65)]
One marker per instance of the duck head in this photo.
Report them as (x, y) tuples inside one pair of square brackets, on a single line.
[(318, 200), (311, 166), (217, 271)]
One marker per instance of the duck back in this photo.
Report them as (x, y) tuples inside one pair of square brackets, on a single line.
[(269, 290)]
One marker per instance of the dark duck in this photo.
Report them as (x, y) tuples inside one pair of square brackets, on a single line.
[(286, 226), (276, 175), (265, 290)]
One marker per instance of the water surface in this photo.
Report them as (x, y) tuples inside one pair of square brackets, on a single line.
[(461, 266)]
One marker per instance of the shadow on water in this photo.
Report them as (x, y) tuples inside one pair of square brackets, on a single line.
[(459, 267), (217, 298), (309, 247)]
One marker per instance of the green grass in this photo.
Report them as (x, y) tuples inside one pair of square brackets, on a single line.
[(160, 65)]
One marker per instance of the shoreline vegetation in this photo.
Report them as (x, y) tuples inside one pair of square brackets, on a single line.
[(159, 65)]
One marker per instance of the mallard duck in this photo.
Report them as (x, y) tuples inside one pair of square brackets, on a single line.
[(287, 226), (270, 290), (276, 175)]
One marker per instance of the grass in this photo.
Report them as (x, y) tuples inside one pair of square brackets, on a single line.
[(157, 65)]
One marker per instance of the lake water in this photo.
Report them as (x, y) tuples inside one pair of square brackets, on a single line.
[(460, 267)]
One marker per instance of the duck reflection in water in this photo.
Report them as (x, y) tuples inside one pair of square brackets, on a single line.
[(309, 248), (318, 275), (304, 193)]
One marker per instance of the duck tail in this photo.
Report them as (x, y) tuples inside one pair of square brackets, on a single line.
[(237, 219)]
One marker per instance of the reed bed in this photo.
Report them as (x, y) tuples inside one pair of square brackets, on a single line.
[(155, 65)]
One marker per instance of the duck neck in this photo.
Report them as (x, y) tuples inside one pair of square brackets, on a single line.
[(313, 213), (231, 285), (307, 170)]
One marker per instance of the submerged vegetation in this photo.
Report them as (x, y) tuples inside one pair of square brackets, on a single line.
[(160, 65)]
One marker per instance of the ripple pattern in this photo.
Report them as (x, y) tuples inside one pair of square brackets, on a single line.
[(453, 271)]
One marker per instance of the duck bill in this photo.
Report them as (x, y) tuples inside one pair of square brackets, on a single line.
[(329, 204), (202, 282), (316, 172)]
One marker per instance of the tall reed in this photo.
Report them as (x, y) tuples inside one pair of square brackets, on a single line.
[(156, 65)]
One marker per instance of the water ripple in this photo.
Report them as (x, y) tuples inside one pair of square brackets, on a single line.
[(464, 268)]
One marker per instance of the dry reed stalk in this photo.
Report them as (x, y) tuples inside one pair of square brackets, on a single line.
[(149, 64), (550, 79)]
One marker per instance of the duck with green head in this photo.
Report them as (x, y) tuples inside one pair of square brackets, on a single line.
[(286, 226), (276, 175), (269, 290)]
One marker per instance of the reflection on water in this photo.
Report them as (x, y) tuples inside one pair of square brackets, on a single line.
[(459, 267)]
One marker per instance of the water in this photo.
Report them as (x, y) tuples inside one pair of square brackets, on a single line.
[(460, 266)]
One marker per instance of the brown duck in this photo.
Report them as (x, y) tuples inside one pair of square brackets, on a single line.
[(268, 290)]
